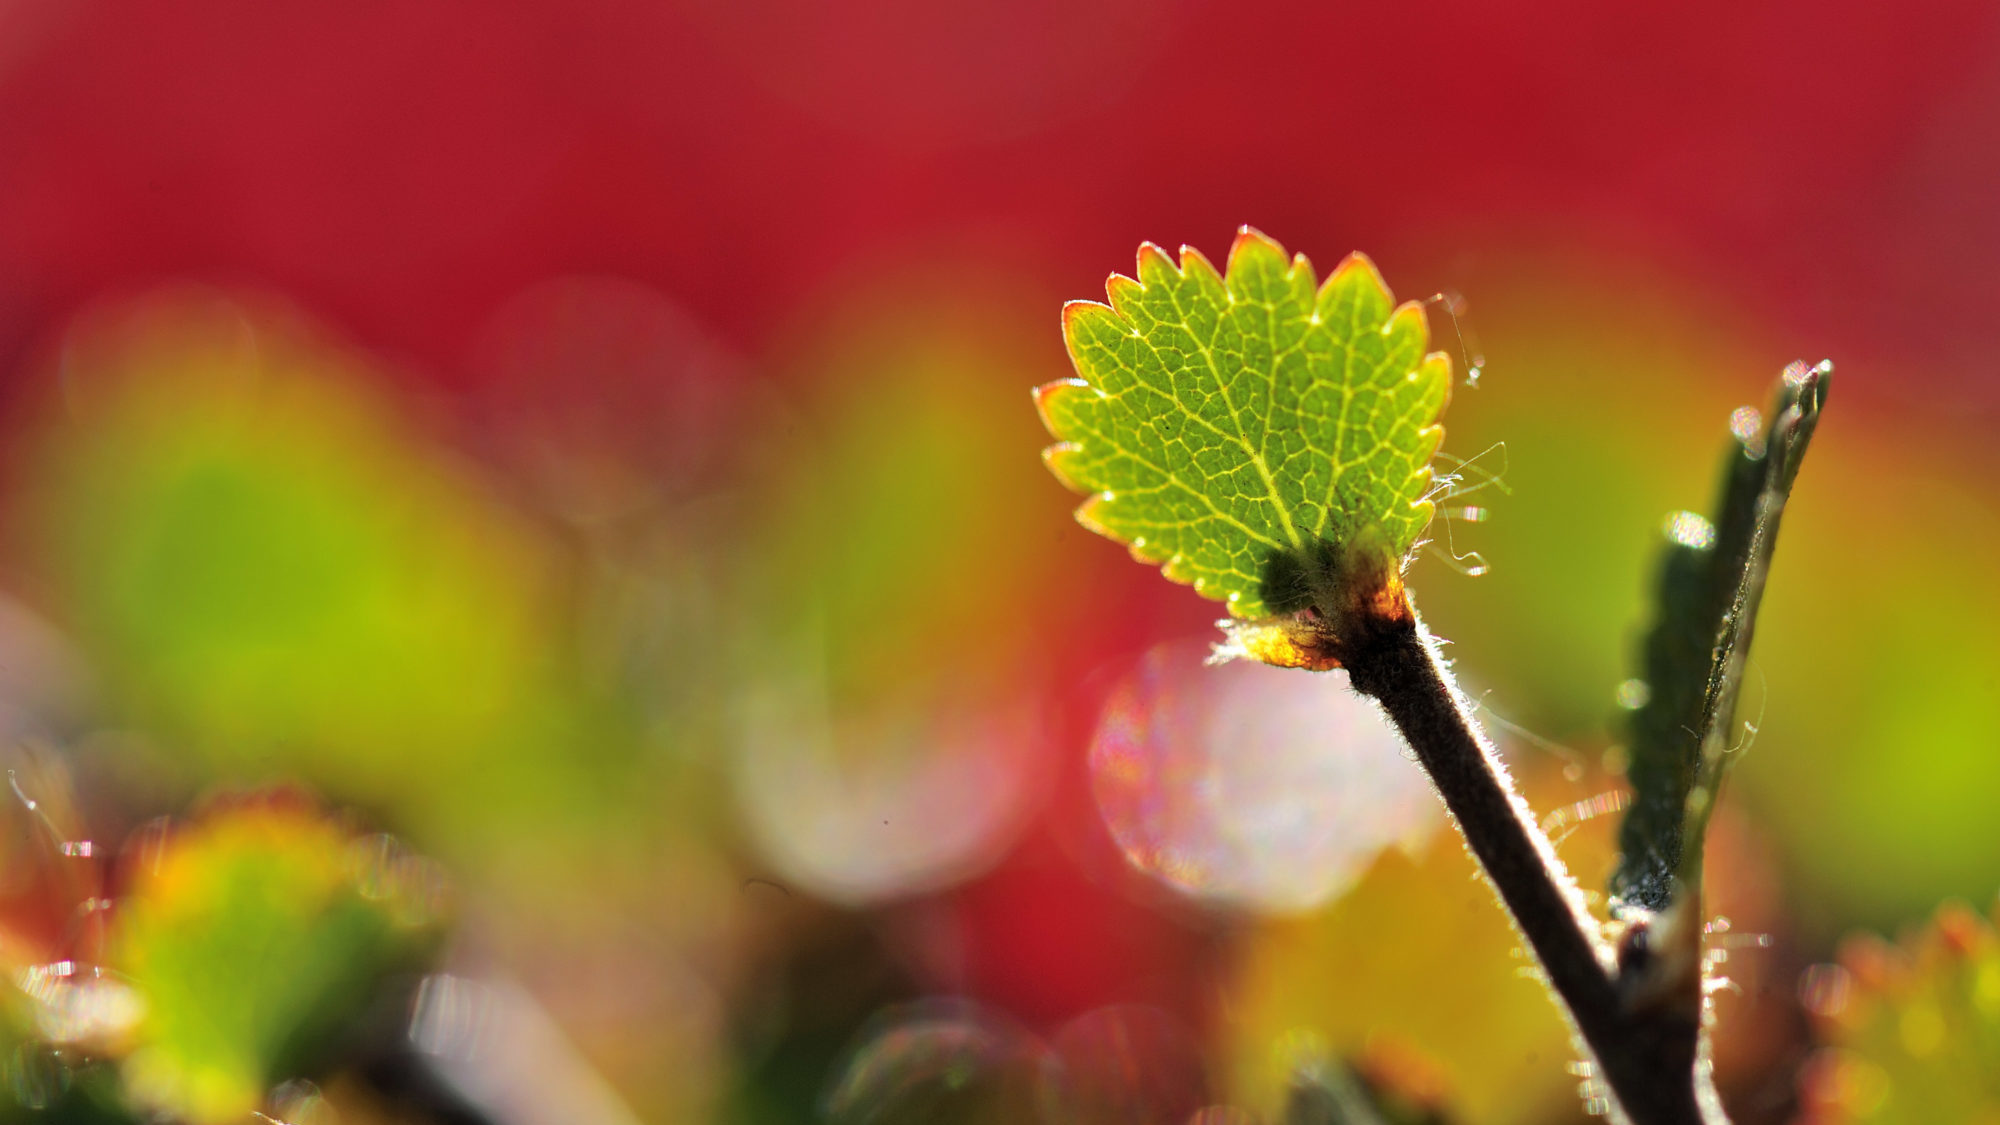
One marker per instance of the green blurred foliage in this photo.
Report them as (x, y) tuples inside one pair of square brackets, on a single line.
[(255, 939), (270, 568), (894, 534), (278, 573), (887, 674), (1912, 1030), (1878, 764)]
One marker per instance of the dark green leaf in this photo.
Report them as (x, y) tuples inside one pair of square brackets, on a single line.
[(1711, 580)]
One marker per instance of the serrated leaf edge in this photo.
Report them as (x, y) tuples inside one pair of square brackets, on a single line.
[(1150, 260)]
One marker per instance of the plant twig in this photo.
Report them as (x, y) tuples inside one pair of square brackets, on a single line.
[(1647, 1059), (1800, 396), (1711, 581)]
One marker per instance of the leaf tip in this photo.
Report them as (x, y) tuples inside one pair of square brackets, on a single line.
[(1154, 264), (1408, 319), (1173, 568), (1358, 269), (1124, 293), (1075, 314), (1055, 458), (1253, 243), (1435, 371), (1086, 512), (1808, 386), (1195, 264), (1045, 396)]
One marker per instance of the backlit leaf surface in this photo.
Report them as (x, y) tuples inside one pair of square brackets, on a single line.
[(1254, 432)]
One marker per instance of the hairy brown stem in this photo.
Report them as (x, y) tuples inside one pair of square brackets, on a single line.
[(1647, 1057)]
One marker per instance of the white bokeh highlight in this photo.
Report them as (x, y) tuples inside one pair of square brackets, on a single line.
[(1253, 787)]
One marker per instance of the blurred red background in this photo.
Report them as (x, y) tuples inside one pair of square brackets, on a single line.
[(405, 168)]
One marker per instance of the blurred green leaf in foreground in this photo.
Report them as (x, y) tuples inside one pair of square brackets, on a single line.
[(255, 939)]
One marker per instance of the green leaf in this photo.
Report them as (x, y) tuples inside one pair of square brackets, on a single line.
[(256, 939), (272, 568), (1259, 435), (1711, 581)]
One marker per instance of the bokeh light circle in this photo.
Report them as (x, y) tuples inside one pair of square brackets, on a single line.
[(1251, 786), (941, 1060), (880, 803), (1129, 1063)]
